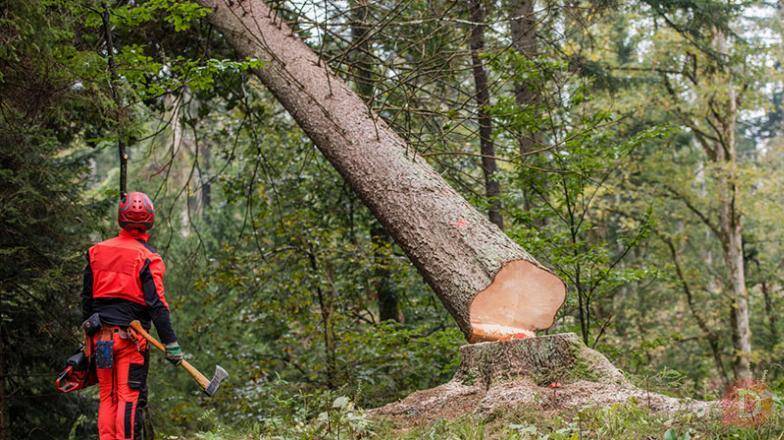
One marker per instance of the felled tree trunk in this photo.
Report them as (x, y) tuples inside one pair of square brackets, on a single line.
[(491, 286), (383, 285)]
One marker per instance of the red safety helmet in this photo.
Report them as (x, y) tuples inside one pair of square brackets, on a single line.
[(136, 211)]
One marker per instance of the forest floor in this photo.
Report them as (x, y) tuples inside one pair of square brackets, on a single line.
[(551, 387), (618, 421)]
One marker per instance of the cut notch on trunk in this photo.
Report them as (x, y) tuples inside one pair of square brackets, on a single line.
[(522, 298)]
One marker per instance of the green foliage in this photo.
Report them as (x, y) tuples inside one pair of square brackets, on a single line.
[(179, 14), (45, 217)]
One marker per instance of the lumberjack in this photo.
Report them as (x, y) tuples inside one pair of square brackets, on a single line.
[(123, 282)]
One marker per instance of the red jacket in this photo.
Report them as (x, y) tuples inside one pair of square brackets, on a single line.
[(123, 281)]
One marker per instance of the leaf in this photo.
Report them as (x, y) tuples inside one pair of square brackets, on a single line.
[(341, 402)]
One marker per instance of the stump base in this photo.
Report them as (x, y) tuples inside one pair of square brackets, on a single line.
[(549, 373)]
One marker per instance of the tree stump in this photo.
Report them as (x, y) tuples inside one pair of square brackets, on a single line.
[(550, 372)]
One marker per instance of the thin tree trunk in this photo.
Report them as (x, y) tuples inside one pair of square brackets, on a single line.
[(484, 120), (325, 309), (724, 153), (732, 231), (362, 63), (770, 313), (491, 286), (182, 146), (205, 159), (733, 256), (711, 336), (386, 297), (388, 304), (122, 154), (523, 32)]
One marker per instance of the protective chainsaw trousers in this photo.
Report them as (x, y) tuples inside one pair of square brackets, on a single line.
[(121, 364)]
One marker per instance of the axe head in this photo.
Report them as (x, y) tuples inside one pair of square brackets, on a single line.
[(217, 378)]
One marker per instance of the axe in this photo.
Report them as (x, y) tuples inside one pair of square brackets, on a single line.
[(208, 386)]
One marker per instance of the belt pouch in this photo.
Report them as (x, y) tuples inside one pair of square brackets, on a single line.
[(104, 354), (92, 324)]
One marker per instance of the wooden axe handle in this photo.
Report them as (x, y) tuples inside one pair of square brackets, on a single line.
[(196, 374)]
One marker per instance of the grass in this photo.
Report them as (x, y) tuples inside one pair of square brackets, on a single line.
[(627, 421), (621, 421)]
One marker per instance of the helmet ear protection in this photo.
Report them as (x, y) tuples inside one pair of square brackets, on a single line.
[(136, 211)]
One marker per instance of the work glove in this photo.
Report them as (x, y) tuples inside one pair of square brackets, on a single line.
[(174, 353)]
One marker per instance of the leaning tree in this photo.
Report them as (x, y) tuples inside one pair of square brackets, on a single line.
[(492, 287)]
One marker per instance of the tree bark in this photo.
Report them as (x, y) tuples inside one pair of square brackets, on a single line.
[(546, 360), (122, 154), (523, 31), (205, 186), (484, 120), (770, 313), (733, 256), (492, 287), (362, 65), (327, 330), (730, 224), (386, 295)]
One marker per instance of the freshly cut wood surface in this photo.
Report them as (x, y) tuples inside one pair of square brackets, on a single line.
[(458, 251), (520, 299)]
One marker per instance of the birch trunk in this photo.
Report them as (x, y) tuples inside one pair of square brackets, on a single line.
[(492, 287)]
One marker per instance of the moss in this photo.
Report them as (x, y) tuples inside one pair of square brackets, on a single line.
[(469, 378), (582, 369)]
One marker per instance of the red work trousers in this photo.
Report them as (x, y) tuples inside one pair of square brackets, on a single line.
[(123, 386)]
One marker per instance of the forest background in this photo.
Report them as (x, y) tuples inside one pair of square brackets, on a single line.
[(635, 147)]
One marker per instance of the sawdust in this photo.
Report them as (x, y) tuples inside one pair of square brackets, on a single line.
[(447, 401)]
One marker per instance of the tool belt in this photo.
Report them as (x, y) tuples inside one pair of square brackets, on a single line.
[(103, 343), (96, 352), (107, 332)]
